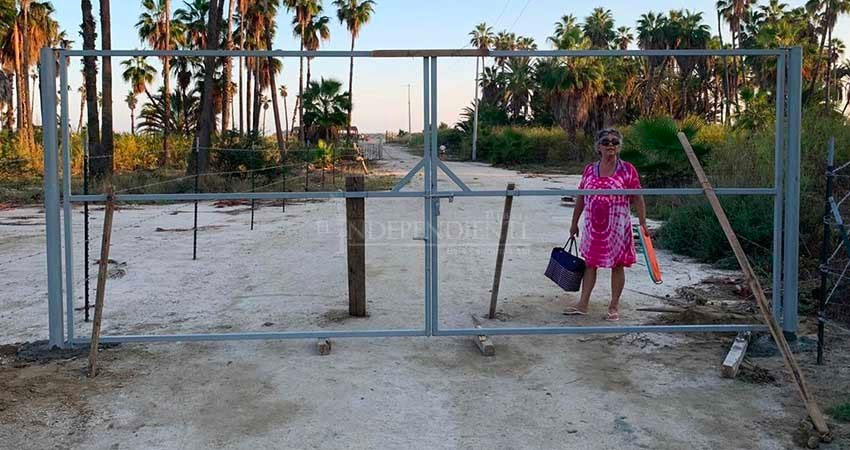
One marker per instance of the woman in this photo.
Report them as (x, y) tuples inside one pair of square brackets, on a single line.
[(606, 234)]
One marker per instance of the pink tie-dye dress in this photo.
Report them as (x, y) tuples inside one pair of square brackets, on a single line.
[(606, 233)]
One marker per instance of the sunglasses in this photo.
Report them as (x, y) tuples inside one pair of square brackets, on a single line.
[(609, 142)]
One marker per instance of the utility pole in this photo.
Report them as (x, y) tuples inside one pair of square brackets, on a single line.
[(408, 114), (475, 118)]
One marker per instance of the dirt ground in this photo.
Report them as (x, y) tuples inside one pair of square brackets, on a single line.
[(624, 391)]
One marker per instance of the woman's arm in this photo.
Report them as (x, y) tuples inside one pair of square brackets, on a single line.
[(576, 215), (640, 206)]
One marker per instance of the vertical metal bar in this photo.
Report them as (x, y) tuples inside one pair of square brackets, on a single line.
[(66, 193), (778, 157), (84, 138), (253, 188), (47, 76), (435, 204), (792, 193), (824, 251), (195, 226), (426, 155)]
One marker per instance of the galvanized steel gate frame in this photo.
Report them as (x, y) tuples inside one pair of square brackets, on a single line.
[(785, 192)]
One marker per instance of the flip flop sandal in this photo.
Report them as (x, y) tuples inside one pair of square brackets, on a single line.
[(613, 317), (571, 311)]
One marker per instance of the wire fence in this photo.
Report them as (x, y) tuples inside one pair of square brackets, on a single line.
[(834, 304)]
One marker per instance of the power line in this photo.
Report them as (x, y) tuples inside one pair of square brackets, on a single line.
[(528, 2)]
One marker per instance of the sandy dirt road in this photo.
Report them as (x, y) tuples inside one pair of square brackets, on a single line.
[(289, 273)]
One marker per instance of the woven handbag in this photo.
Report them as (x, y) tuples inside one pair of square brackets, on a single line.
[(565, 268)]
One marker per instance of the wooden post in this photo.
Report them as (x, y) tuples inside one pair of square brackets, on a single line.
[(500, 256), (755, 286), (484, 344), (355, 212), (101, 280), (735, 357)]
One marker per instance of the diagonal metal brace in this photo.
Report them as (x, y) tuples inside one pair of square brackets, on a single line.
[(453, 176), (403, 182)]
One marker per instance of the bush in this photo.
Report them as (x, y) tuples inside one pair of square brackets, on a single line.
[(653, 146), (693, 230), (530, 145)]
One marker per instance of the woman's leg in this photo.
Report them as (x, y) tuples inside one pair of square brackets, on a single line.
[(587, 283), (618, 281)]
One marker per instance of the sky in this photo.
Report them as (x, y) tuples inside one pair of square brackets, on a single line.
[(381, 85)]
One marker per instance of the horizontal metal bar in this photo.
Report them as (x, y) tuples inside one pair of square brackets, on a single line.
[(553, 192), (251, 336), (605, 53), (405, 194), (243, 196), (218, 53), (609, 329), (402, 53)]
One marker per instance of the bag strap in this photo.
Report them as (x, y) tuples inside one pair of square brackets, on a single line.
[(571, 245)]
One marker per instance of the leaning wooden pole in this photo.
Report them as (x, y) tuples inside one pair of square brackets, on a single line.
[(101, 280), (755, 286), (500, 255)]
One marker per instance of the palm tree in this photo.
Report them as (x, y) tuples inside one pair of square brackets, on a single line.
[(623, 37), (24, 32), (284, 94), (107, 138), (355, 14), (599, 28), (504, 41), (325, 107), (518, 88), (155, 28), (82, 91), (228, 69), (304, 12), (567, 33), (138, 74), (316, 32), (130, 99), (482, 38), (652, 29), (193, 22), (90, 74)]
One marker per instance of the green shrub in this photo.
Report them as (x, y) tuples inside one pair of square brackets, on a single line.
[(840, 411), (693, 230), (653, 146)]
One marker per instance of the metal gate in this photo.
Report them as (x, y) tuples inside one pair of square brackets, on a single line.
[(785, 192)]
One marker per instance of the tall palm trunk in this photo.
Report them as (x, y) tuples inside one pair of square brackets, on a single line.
[(133, 121), (281, 143), (82, 110), (207, 119), (106, 82), (350, 82), (166, 78), (475, 118), (90, 74), (307, 82), (248, 97), (241, 108), (228, 68), (19, 77), (301, 88), (25, 36), (258, 87), (816, 71), (295, 112), (285, 119)]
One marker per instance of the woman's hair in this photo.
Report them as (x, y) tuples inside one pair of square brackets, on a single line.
[(607, 131)]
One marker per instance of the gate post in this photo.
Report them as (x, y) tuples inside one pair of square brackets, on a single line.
[(792, 193), (47, 77)]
